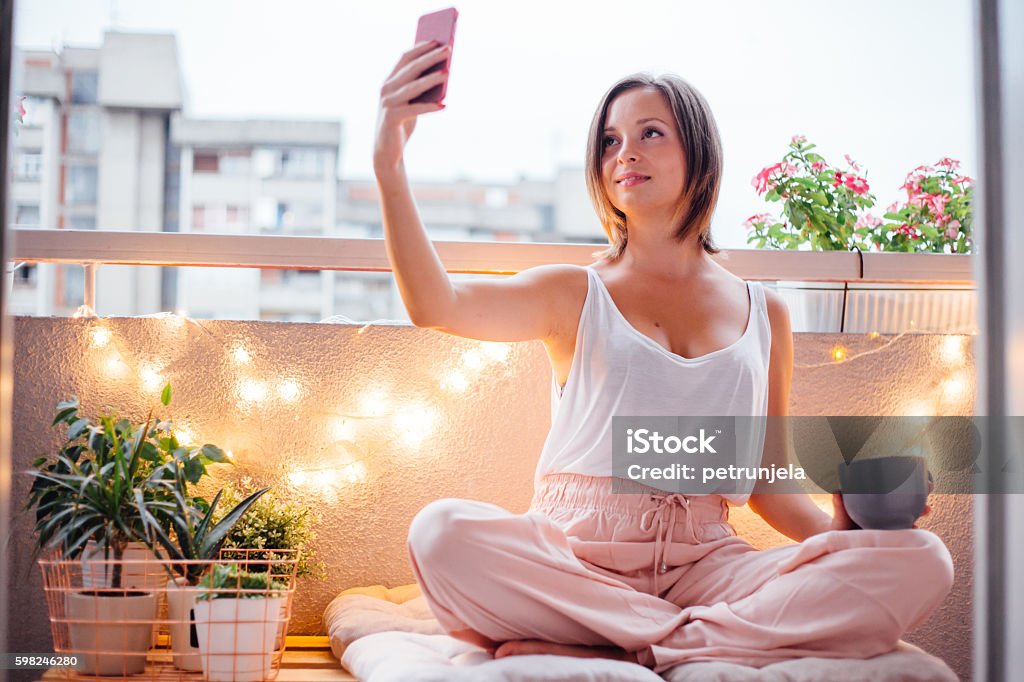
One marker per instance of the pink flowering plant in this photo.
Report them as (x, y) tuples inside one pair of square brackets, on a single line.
[(820, 203), (936, 217)]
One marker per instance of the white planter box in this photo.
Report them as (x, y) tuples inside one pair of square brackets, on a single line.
[(104, 639), (884, 308), (237, 637), (146, 575), (181, 599)]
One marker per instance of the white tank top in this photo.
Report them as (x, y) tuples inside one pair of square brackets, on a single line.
[(618, 371)]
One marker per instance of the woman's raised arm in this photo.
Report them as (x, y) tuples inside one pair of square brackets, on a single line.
[(522, 307)]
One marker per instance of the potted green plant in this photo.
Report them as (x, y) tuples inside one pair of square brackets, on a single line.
[(237, 615), (826, 208), (273, 523), (92, 491), (166, 460), (196, 540), (274, 527), (937, 215), (820, 202)]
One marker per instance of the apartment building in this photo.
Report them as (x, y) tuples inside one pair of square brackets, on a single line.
[(94, 153), (257, 177), (108, 144)]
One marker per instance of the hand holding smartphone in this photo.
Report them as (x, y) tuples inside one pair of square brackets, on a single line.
[(415, 86), (440, 27)]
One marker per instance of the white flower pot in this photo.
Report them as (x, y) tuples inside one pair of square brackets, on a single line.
[(237, 637), (181, 599), (148, 577), (105, 642)]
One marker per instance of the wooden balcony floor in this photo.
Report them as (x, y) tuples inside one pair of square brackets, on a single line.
[(306, 659)]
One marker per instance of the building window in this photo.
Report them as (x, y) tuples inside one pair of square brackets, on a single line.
[(84, 87), (302, 163), (28, 165), (81, 184), (301, 218), (206, 162), (26, 215), (84, 131), (82, 222), (237, 216), (235, 163), (198, 217)]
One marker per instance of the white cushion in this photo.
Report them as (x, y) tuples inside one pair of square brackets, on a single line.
[(390, 635)]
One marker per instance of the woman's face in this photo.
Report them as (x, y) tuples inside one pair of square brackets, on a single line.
[(640, 138)]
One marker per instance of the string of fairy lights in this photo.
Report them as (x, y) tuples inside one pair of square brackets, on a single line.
[(410, 423), (949, 389), (406, 423)]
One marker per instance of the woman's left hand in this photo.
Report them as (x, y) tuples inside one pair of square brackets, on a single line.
[(840, 519)]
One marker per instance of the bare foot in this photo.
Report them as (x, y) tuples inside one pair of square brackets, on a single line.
[(521, 647), (474, 637)]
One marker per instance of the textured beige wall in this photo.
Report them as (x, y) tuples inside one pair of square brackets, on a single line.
[(355, 385)]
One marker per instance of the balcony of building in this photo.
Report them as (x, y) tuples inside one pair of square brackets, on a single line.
[(368, 420)]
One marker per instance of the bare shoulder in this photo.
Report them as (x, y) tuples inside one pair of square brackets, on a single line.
[(778, 311), (781, 330), (558, 272), (568, 289)]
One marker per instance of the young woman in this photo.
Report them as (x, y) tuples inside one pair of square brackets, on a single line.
[(654, 325)]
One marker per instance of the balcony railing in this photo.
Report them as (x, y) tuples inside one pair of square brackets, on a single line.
[(93, 248)]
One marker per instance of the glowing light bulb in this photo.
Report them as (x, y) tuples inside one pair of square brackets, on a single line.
[(342, 429), (150, 377), (496, 351), (116, 369), (325, 479), (354, 472), (953, 349), (184, 435), (252, 390), (374, 403), (954, 388), (455, 381), (288, 390), (100, 337), (415, 425), (839, 353), (241, 355)]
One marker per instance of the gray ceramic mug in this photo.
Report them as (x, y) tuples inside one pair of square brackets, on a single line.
[(884, 493)]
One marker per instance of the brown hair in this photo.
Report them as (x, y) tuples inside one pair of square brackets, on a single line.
[(701, 145)]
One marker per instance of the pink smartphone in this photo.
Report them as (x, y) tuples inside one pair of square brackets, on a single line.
[(439, 26)]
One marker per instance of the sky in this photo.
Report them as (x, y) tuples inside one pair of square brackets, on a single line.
[(892, 83)]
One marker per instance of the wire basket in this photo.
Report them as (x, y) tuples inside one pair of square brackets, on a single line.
[(155, 626)]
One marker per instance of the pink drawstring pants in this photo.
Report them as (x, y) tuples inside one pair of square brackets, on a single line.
[(665, 576)]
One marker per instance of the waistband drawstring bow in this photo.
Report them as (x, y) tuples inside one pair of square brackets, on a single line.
[(669, 503)]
